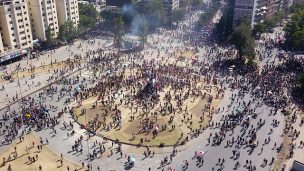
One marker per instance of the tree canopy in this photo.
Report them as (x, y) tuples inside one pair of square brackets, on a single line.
[(208, 15), (196, 3), (178, 15), (143, 32), (67, 31), (87, 15), (49, 35), (242, 39), (118, 31), (295, 30), (224, 27)]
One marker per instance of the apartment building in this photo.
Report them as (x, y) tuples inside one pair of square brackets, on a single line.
[(244, 9), (14, 25), (43, 14), (171, 5), (185, 5), (67, 10), (258, 10)]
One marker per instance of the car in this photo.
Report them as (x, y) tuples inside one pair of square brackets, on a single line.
[(2, 67), (45, 52)]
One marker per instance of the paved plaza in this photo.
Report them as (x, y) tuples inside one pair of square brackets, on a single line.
[(90, 107)]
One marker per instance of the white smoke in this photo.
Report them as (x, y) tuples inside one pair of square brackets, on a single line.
[(137, 19)]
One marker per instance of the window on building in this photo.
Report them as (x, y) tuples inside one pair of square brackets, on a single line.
[(12, 28)]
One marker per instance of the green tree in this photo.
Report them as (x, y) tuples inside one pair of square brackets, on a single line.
[(155, 11), (87, 15), (178, 15), (224, 27), (301, 80), (143, 32), (196, 3), (272, 21), (243, 41), (88, 10), (67, 32), (208, 15), (118, 31), (62, 33), (259, 28), (295, 30), (49, 35)]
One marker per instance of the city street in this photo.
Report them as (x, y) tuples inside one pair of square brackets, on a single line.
[(248, 130)]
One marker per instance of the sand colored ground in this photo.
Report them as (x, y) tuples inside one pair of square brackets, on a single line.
[(48, 160), (38, 70), (170, 137)]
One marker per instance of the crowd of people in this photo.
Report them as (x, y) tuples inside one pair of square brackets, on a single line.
[(151, 86)]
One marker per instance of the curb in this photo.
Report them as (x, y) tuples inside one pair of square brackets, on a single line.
[(42, 88)]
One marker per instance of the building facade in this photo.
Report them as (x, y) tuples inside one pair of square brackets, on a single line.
[(23, 21), (67, 10), (259, 10), (15, 26), (244, 9), (185, 5), (43, 14), (171, 5)]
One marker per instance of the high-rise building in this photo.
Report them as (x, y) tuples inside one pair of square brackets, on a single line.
[(14, 25), (118, 3), (244, 9), (185, 4), (43, 14), (67, 10), (171, 5)]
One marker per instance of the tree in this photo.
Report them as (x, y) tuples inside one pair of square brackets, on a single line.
[(49, 35), (243, 41), (208, 15), (196, 3), (154, 11), (62, 33), (118, 31), (143, 31), (67, 32), (224, 27), (295, 30), (259, 28), (87, 15), (301, 80), (274, 20), (177, 15)]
